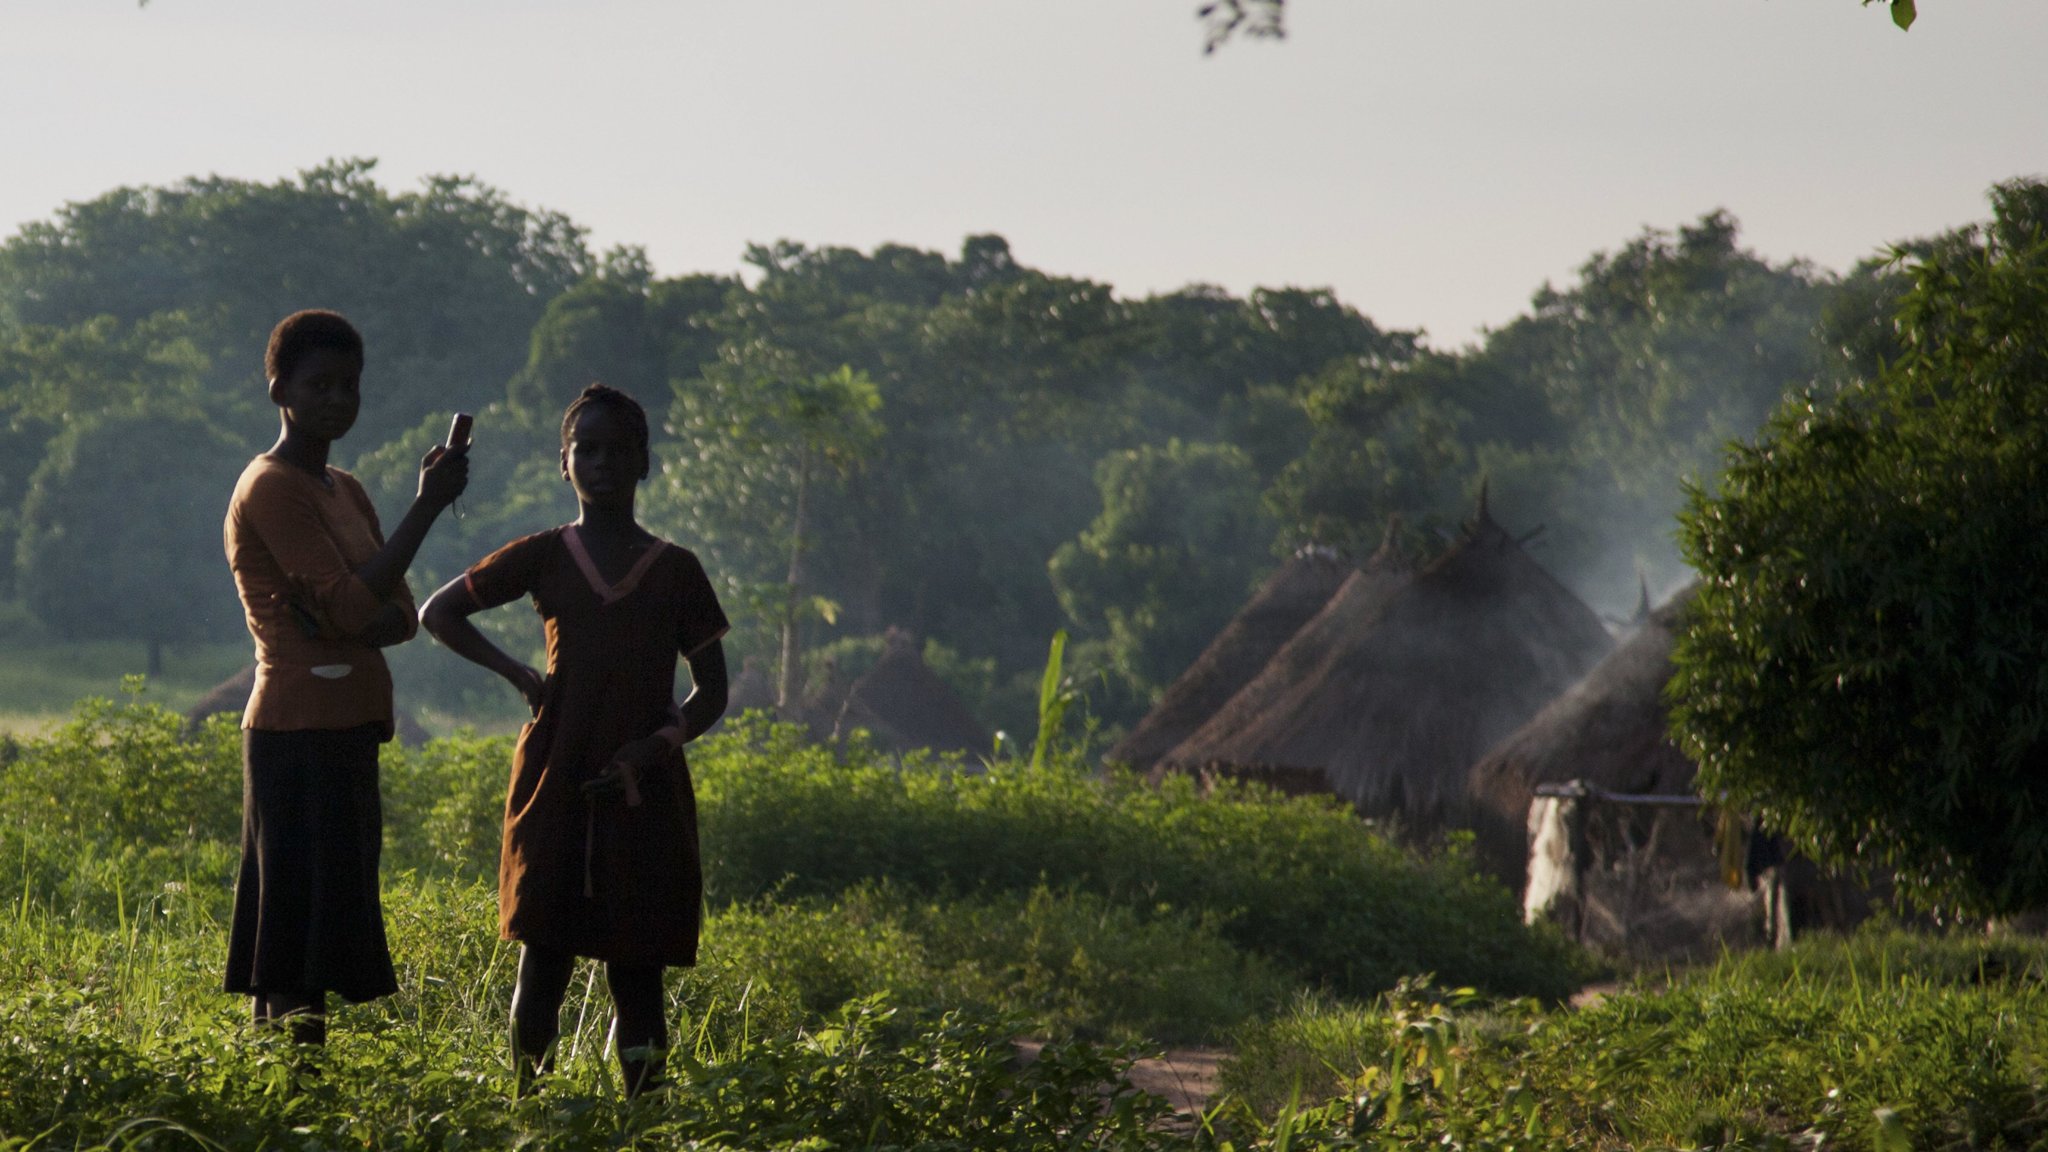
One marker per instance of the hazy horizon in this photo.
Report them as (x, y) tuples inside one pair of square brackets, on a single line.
[(1433, 162)]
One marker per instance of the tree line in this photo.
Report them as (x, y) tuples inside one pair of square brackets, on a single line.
[(956, 443)]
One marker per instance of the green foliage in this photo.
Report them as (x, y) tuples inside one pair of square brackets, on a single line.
[(623, 327), (445, 805), (117, 1035), (880, 1013), (850, 657), (1380, 446), (1593, 410), (124, 773), (756, 437), (118, 535), (1863, 667), (1055, 697), (1850, 1043), (1066, 963), (53, 377), (1264, 866), (445, 283), (1179, 542), (984, 412)]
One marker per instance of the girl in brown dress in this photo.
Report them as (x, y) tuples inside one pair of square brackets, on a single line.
[(600, 846)]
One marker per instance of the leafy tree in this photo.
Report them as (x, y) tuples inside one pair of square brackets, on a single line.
[(755, 436), (121, 529), (446, 282), (52, 377), (1178, 544), (1379, 447), (1001, 386), (622, 326), (1215, 367), (1864, 666)]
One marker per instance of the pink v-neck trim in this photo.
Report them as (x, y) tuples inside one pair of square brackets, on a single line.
[(610, 593)]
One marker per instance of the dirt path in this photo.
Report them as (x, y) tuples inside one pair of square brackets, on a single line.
[(1185, 1078)]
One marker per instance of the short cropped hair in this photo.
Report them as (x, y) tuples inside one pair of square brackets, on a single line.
[(628, 409), (305, 332)]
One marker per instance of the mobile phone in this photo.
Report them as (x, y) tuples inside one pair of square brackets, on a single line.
[(458, 430)]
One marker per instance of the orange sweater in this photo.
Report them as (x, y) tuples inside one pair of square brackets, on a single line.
[(292, 540)]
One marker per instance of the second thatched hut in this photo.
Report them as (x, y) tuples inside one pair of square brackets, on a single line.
[(905, 705), (1399, 685), (1288, 599)]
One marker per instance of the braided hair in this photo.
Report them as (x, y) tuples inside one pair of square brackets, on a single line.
[(624, 406)]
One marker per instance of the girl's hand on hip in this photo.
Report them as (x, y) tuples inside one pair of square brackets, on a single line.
[(529, 681)]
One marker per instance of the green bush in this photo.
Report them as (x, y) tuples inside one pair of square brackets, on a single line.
[(121, 1039), (1062, 963), (444, 805), (125, 773), (1834, 1043), (1299, 880)]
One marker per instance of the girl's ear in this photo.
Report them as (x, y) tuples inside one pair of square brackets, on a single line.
[(565, 463)]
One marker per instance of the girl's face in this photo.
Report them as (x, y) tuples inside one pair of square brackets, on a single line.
[(322, 393), (602, 460)]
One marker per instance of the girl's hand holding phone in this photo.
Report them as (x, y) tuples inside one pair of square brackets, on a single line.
[(622, 778)]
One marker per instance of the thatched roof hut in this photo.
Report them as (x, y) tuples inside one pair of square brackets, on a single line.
[(1651, 874), (1287, 600), (1608, 730), (232, 695), (1393, 692), (906, 705), (1350, 611), (750, 689)]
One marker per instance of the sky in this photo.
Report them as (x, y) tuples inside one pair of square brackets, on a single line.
[(1434, 161)]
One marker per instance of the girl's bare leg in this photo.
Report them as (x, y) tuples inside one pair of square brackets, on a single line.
[(537, 1012), (639, 1024), (305, 1013)]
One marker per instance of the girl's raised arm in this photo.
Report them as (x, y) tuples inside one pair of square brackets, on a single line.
[(446, 616)]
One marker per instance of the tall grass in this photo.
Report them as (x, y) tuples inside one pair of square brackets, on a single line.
[(1856, 1043), (880, 932)]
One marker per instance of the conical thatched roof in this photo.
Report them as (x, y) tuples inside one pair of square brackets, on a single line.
[(230, 695), (1287, 600), (1395, 700), (1608, 730), (750, 689), (1353, 609), (906, 705)]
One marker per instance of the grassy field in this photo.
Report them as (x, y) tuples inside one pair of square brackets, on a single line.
[(879, 935), (40, 682)]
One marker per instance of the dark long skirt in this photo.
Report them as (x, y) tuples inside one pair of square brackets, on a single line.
[(307, 914)]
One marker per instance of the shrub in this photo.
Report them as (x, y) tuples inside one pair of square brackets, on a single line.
[(1300, 880), (124, 773)]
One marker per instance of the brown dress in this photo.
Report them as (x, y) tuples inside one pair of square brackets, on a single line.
[(601, 878)]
